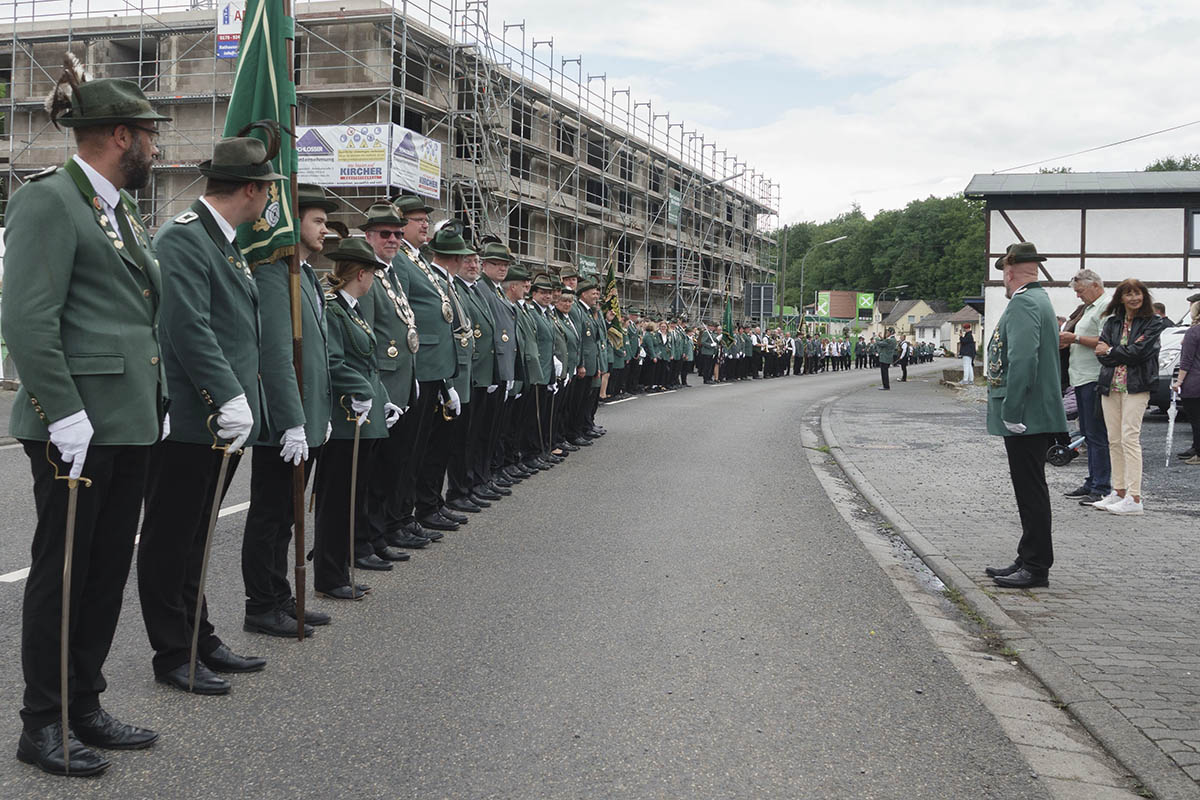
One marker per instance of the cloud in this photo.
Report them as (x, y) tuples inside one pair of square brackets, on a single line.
[(950, 89)]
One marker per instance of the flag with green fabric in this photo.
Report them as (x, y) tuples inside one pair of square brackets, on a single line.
[(263, 90), (727, 323), (611, 302)]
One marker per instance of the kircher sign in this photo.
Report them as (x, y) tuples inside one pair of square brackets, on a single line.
[(370, 155)]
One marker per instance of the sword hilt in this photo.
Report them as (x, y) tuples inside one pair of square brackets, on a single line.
[(71, 482), (216, 445), (350, 415)]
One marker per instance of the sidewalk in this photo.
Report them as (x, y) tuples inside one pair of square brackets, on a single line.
[(1116, 636)]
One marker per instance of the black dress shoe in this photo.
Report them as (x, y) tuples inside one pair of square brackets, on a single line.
[(499, 480), (436, 522), (992, 572), (1022, 579), (553, 459), (373, 562), (311, 617), (453, 516), (273, 623), (43, 748), (589, 435), (414, 529), (100, 729), (1082, 491), (570, 448), (225, 660), (206, 682), (342, 593), (390, 553), (581, 441), (460, 504), (486, 493), (1091, 499), (498, 488), (480, 500), (1187, 453), (363, 588), (403, 538)]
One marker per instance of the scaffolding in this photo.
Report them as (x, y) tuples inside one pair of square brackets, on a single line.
[(565, 169)]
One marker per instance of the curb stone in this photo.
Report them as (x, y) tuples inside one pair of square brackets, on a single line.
[(1114, 732)]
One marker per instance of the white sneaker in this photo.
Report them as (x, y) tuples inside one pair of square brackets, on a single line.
[(1126, 506), (1110, 499)]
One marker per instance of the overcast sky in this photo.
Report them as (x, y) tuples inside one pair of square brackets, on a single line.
[(880, 103)]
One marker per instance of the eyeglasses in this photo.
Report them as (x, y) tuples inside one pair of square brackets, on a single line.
[(387, 234), (154, 132)]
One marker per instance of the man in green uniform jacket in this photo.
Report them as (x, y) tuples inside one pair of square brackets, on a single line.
[(210, 336), (885, 350), (297, 429), (1025, 407), (565, 328), (81, 309), (541, 290)]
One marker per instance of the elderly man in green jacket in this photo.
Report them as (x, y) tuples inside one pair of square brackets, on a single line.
[(81, 308), (297, 429), (210, 335), (1025, 407)]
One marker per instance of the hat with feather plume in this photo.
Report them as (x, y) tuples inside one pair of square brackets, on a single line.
[(78, 101)]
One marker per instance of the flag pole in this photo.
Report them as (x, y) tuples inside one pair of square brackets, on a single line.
[(298, 477)]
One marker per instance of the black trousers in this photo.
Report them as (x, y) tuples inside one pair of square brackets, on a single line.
[(268, 533), (431, 470), (633, 372), (904, 369), (331, 531), (883, 372), (427, 414), (485, 430), (390, 475), (1192, 406), (459, 480), (577, 403), (181, 487), (106, 518), (505, 454), (559, 415), (1027, 467), (616, 381)]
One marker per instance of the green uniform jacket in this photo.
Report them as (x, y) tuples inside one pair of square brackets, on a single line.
[(504, 318), (210, 331), (689, 348), (436, 359), (633, 342), (529, 360), (354, 370), (616, 355), (275, 352), (397, 364), (560, 342), (708, 343), (589, 342), (1023, 366), (571, 335), (545, 339), (603, 347), (81, 314), (886, 348), (483, 331)]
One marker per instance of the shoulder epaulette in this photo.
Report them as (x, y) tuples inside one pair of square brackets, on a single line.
[(37, 176), (186, 217)]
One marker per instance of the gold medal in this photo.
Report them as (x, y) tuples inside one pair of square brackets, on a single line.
[(392, 350), (117, 244), (478, 333), (104, 219), (96, 202), (414, 340), (504, 337), (447, 313)]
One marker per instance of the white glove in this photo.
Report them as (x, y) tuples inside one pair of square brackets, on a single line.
[(453, 403), (553, 387), (295, 446), (71, 435), (508, 387), (166, 426), (391, 414), (568, 380), (641, 352), (1015, 427), (558, 367), (518, 397), (361, 408), (235, 421), (328, 431), (493, 388)]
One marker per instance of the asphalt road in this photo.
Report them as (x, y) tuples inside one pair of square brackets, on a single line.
[(675, 612)]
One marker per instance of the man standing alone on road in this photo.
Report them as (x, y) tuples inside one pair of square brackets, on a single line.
[(886, 351), (1025, 408), (1084, 372), (966, 351)]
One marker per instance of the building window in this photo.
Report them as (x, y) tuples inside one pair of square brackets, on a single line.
[(466, 144), (565, 137), (564, 240), (407, 71), (597, 153), (466, 94), (625, 165), (624, 252), (654, 208), (1194, 231), (518, 230), (624, 201), (520, 163), (656, 177), (522, 121), (911, 319), (595, 191), (414, 121)]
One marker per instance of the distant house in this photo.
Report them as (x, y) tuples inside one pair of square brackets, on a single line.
[(958, 322), (934, 329), (1143, 225), (903, 315)]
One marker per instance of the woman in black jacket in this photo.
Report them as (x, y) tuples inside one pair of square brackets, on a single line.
[(1128, 354)]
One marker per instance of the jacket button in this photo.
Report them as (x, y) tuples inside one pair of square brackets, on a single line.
[(154, 360), (145, 293)]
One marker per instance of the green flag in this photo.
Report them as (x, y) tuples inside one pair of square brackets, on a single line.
[(727, 323), (263, 90)]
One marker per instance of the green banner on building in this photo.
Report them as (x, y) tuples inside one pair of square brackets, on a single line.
[(822, 304), (866, 300), (674, 203)]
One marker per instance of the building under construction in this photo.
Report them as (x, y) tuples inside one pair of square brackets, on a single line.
[(535, 149)]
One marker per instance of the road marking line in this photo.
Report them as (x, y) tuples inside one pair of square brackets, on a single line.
[(22, 574), (618, 402)]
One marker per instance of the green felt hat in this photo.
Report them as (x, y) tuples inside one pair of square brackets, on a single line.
[(543, 282), (309, 195), (567, 291), (1022, 253), (382, 213), (407, 203), (448, 241), (585, 284), (496, 251), (569, 272), (107, 101), (354, 249), (516, 273), (239, 159)]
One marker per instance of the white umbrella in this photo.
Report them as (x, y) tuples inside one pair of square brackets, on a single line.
[(1171, 412)]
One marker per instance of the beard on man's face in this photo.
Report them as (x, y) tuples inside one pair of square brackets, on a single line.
[(135, 168)]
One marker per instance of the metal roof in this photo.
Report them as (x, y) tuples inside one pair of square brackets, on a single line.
[(1084, 183)]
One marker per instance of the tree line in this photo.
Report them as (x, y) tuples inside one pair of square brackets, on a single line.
[(936, 246)]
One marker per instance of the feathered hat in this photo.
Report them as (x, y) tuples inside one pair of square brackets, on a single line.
[(77, 101)]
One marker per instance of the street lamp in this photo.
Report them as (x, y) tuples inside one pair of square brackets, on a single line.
[(802, 262), (883, 292), (704, 184)]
